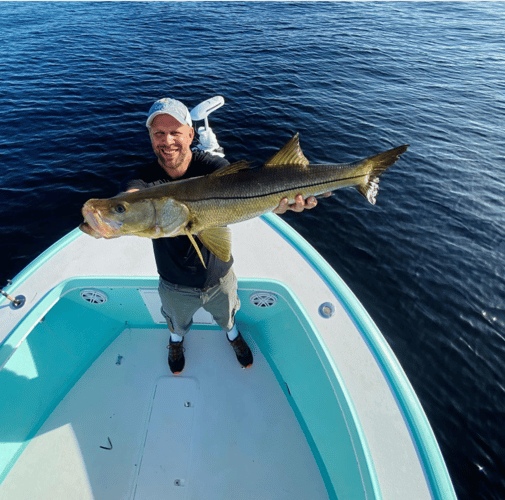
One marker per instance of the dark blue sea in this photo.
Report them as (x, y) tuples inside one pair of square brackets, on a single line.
[(354, 79)]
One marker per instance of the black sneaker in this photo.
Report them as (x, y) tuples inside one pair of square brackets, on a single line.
[(176, 356), (244, 354)]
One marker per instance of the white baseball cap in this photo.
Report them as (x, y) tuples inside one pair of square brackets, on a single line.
[(167, 106)]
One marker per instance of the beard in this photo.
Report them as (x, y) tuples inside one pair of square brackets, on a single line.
[(169, 164)]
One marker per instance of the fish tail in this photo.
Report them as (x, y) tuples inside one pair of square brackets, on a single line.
[(373, 168)]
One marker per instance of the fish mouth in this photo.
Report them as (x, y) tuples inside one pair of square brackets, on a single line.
[(99, 223)]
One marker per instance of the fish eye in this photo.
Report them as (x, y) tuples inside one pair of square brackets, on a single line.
[(120, 208)]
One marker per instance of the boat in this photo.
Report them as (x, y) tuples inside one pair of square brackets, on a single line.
[(90, 410)]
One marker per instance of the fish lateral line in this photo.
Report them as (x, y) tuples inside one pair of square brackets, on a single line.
[(373, 167), (280, 191)]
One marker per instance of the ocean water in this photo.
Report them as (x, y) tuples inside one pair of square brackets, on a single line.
[(354, 79)]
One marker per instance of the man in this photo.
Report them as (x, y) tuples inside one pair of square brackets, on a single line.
[(185, 285)]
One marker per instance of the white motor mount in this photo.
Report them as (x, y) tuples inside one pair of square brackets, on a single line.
[(206, 137)]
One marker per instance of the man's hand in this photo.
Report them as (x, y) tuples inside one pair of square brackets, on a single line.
[(299, 205)]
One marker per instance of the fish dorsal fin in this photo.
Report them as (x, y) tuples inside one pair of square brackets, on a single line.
[(289, 154), (232, 168), (218, 241)]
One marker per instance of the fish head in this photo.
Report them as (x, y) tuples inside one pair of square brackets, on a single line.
[(135, 213), (114, 217)]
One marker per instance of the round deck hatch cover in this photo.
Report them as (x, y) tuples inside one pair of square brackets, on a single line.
[(263, 299), (327, 310), (93, 296)]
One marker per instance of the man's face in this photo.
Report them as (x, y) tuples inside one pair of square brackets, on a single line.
[(171, 143)]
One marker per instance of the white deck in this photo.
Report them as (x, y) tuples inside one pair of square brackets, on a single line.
[(216, 432)]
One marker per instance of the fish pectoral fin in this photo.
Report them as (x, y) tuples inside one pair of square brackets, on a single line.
[(193, 242), (218, 241), (233, 168), (289, 154)]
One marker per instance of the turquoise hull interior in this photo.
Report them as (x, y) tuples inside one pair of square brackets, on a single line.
[(69, 334), (59, 339)]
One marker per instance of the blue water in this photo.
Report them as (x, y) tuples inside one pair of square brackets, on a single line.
[(76, 80)]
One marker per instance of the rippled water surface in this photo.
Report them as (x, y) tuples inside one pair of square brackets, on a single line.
[(76, 81)]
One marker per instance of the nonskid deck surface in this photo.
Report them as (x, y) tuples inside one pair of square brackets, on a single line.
[(130, 430)]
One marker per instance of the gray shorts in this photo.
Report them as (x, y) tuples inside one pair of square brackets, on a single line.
[(179, 303)]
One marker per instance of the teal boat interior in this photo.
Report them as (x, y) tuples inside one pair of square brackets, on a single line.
[(90, 410), (70, 333)]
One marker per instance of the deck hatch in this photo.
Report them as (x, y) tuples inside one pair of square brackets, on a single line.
[(93, 296), (263, 299)]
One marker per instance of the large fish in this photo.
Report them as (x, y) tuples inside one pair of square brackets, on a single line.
[(204, 206)]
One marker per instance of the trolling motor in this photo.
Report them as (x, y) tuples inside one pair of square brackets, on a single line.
[(206, 137)]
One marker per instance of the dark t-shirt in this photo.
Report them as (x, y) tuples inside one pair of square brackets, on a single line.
[(176, 258)]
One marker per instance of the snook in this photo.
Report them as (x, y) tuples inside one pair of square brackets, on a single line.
[(204, 206)]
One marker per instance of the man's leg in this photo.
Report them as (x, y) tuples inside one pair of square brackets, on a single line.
[(222, 302), (178, 305)]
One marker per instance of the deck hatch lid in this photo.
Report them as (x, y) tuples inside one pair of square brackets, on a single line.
[(263, 299), (93, 296)]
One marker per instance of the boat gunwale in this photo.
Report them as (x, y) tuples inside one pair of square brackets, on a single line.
[(418, 425), (41, 259)]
